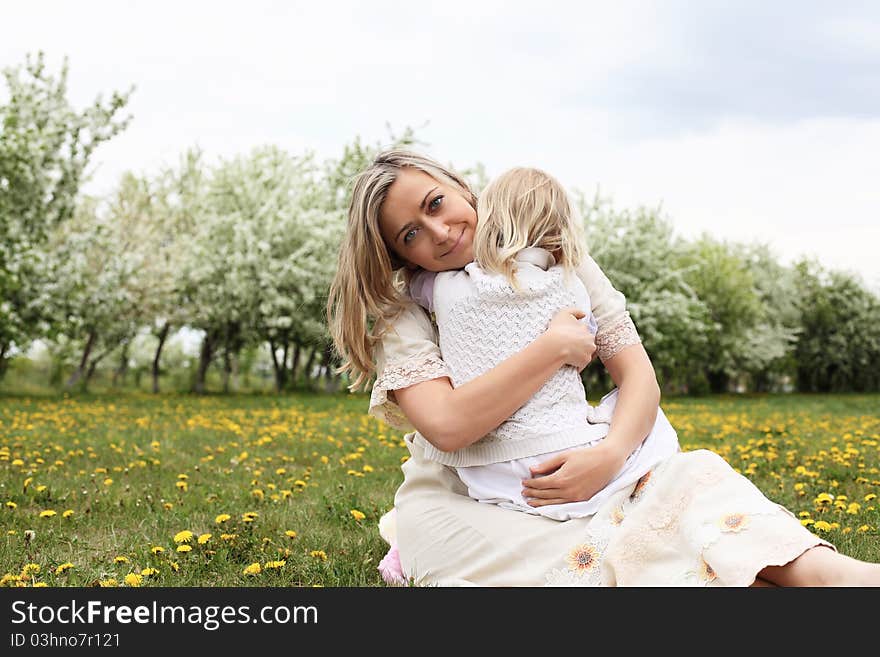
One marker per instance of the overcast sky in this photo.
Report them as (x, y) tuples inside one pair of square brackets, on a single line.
[(752, 121)]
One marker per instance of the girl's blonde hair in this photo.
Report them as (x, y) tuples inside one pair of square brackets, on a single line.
[(365, 293), (522, 208)]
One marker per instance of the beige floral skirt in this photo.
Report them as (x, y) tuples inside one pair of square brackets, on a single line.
[(691, 521)]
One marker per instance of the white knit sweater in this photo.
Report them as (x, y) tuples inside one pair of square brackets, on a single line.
[(482, 321)]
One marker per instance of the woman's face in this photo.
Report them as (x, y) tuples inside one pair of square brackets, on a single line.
[(427, 223)]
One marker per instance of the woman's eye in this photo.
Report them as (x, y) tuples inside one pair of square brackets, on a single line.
[(411, 233), (435, 203)]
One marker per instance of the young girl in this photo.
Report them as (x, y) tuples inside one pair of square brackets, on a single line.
[(527, 247)]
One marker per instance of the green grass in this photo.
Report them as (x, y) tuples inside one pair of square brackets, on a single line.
[(316, 458)]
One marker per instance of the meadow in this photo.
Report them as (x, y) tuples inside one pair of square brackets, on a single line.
[(264, 490)]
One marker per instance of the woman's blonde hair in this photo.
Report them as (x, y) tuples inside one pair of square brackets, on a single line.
[(365, 292), (523, 208)]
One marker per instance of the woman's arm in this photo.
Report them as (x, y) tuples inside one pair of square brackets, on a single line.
[(580, 474), (452, 418)]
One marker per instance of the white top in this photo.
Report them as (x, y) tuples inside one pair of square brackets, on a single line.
[(483, 321)]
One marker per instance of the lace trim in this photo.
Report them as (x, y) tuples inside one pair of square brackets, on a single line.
[(401, 375), (612, 339)]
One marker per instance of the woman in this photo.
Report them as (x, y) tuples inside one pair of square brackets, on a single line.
[(693, 521)]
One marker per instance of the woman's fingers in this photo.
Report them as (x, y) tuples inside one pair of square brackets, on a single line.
[(550, 465), (541, 493), (554, 500)]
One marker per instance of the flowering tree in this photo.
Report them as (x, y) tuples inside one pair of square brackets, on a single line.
[(638, 253), (45, 146)]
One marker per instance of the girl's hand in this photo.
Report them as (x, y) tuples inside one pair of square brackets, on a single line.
[(577, 345), (576, 475)]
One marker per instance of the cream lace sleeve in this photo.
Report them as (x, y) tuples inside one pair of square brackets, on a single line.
[(616, 328), (408, 354)]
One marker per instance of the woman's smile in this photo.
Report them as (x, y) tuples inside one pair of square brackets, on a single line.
[(457, 242)]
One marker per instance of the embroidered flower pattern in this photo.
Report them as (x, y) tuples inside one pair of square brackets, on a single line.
[(733, 522), (583, 558), (706, 572), (640, 486)]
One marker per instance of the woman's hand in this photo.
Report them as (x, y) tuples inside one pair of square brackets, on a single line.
[(576, 475), (577, 345)]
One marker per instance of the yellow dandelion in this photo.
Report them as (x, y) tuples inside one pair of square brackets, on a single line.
[(183, 476), (48, 513), (108, 481), (258, 494), (823, 499), (864, 528), (223, 517), (733, 522), (274, 565), (357, 515), (40, 488), (869, 497), (157, 549), (120, 559), (253, 569), (149, 572), (108, 583), (30, 569), (804, 514), (204, 538), (11, 505), (39, 585), (182, 485), (67, 513), (583, 558), (183, 537), (300, 483), (228, 537), (318, 554), (133, 579), (167, 506), (184, 548), (174, 566), (290, 533), (823, 526), (63, 567), (367, 468)]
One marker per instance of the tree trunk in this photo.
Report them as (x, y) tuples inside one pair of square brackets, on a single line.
[(207, 352), (163, 334), (77, 375), (4, 362), (92, 367), (310, 363), (122, 370), (326, 365), (227, 369), (294, 364), (280, 374)]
